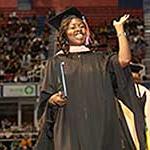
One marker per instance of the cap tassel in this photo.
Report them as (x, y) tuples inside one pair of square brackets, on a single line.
[(88, 40)]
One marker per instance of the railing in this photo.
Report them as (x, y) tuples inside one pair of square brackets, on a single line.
[(31, 134)]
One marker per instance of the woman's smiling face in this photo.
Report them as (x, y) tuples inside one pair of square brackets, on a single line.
[(76, 32)]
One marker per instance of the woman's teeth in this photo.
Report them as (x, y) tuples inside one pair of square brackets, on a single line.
[(79, 36)]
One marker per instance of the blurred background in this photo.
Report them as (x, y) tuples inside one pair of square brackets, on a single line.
[(27, 41)]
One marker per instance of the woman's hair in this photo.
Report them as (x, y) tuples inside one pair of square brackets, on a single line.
[(62, 39)]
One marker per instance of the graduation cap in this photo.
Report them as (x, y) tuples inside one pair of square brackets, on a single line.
[(136, 68), (56, 20)]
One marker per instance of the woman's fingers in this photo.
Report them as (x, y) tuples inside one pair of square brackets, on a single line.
[(61, 94), (122, 20), (58, 99)]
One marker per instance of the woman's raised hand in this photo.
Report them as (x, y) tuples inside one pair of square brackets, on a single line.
[(119, 24), (122, 20)]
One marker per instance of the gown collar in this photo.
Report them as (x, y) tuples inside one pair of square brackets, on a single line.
[(75, 49)]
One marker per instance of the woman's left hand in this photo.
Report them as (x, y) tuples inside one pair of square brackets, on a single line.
[(119, 24)]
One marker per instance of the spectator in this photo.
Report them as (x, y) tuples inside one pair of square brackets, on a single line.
[(91, 105), (2, 146), (26, 143), (144, 96)]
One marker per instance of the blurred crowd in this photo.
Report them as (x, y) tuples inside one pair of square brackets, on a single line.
[(10, 126), (13, 137), (135, 33), (19, 142), (23, 51)]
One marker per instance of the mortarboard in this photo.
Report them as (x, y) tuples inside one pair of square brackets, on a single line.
[(56, 20), (136, 68)]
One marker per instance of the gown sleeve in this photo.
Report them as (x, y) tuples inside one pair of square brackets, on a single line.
[(47, 112), (124, 90)]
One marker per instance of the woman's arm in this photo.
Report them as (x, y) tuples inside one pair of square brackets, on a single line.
[(124, 55)]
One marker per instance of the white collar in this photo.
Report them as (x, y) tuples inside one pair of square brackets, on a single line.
[(75, 49)]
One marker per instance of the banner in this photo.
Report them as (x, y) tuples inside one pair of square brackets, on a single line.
[(19, 90)]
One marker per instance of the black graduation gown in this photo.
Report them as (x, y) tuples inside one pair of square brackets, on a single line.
[(89, 121)]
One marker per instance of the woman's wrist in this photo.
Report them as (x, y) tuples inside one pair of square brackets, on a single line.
[(123, 33)]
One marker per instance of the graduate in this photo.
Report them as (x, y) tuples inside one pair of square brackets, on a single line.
[(80, 89)]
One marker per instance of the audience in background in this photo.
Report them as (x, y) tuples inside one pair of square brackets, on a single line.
[(22, 47), (17, 138), (2, 146)]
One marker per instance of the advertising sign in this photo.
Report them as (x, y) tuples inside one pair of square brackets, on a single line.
[(19, 90)]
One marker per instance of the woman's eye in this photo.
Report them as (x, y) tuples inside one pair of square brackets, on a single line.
[(82, 25), (72, 28)]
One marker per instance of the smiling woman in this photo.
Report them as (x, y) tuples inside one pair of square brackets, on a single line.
[(73, 31), (76, 32), (81, 119)]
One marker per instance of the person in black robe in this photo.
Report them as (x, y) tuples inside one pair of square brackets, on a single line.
[(77, 105)]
